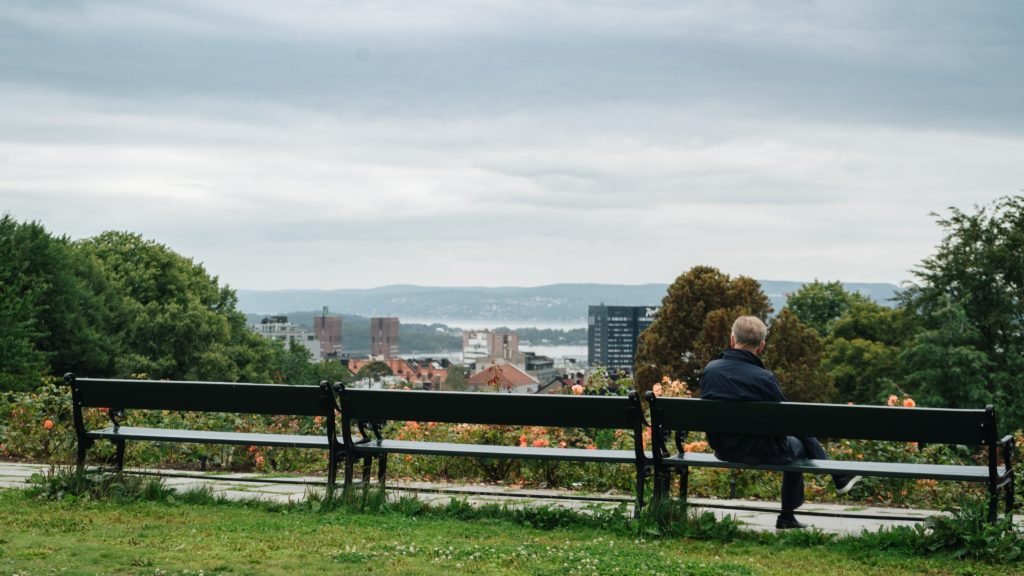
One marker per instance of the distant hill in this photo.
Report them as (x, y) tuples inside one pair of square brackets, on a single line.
[(544, 305)]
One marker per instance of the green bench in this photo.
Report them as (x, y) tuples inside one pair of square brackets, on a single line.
[(362, 406), (116, 396), (921, 425)]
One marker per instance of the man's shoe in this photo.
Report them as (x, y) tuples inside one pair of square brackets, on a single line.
[(847, 485), (783, 523)]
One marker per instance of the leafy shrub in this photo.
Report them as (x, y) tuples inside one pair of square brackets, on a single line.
[(69, 484), (967, 533)]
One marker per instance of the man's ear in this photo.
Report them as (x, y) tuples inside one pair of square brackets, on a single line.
[(732, 341), (762, 346)]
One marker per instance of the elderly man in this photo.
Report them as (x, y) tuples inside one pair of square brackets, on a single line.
[(740, 375)]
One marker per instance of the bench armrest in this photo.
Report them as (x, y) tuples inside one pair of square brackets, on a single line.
[(1008, 445)]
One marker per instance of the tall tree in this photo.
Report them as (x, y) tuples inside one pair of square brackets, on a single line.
[(794, 354), (693, 324), (862, 352), (21, 362), (53, 299), (978, 268), (176, 320), (820, 304)]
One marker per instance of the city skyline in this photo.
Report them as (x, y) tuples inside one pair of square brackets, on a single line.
[(454, 143)]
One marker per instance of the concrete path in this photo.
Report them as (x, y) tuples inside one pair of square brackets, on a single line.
[(755, 515)]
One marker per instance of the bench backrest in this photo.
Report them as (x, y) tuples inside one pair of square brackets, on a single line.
[(200, 396), (931, 425), (491, 408)]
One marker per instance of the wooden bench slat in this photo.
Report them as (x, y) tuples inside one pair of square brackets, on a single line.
[(209, 437), (937, 426), (845, 467), (494, 451), (204, 396), (486, 408)]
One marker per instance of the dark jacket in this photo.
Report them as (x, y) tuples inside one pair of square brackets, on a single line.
[(741, 376)]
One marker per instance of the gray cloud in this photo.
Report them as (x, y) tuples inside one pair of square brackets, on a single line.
[(367, 143)]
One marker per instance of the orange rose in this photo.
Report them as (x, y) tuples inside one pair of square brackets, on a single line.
[(909, 403), (48, 424)]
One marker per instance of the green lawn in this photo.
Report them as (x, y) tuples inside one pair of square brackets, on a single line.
[(162, 538)]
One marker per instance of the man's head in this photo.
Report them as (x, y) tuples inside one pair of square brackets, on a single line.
[(748, 333)]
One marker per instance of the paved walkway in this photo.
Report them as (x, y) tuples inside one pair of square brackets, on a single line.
[(754, 515)]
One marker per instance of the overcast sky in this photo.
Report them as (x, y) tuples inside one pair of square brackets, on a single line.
[(330, 144)]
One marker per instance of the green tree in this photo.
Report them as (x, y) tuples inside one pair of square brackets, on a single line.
[(21, 362), (51, 304), (978, 269), (945, 367), (820, 304), (862, 353), (794, 353), (456, 380), (332, 371), (175, 320), (374, 370), (864, 371), (693, 324)]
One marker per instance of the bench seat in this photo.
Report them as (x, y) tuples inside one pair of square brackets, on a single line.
[(844, 467), (116, 397), (208, 437), (364, 407), (386, 446)]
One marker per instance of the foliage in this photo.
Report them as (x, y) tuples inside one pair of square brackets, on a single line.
[(820, 304), (373, 370), (693, 324), (177, 321), (967, 533), (862, 370), (944, 366), (68, 484), (457, 380), (51, 308), (794, 354), (977, 269), (862, 352), (117, 305)]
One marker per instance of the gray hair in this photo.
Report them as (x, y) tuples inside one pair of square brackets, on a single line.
[(749, 331)]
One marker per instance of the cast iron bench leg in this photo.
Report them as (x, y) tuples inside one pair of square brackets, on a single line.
[(348, 469), (119, 455), (382, 469), (367, 464), (684, 482), (83, 446)]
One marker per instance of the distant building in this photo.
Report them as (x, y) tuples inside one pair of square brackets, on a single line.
[(328, 331), (540, 367), (425, 373), (479, 346), (613, 332), (504, 377), (384, 337), (280, 329)]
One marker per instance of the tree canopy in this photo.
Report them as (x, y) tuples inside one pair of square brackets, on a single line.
[(694, 322), (117, 305)]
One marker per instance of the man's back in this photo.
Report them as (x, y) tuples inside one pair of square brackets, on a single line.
[(739, 375)]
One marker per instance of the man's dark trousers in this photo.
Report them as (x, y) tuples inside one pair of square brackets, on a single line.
[(793, 482)]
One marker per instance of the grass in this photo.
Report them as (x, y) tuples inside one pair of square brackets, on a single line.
[(194, 533)]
